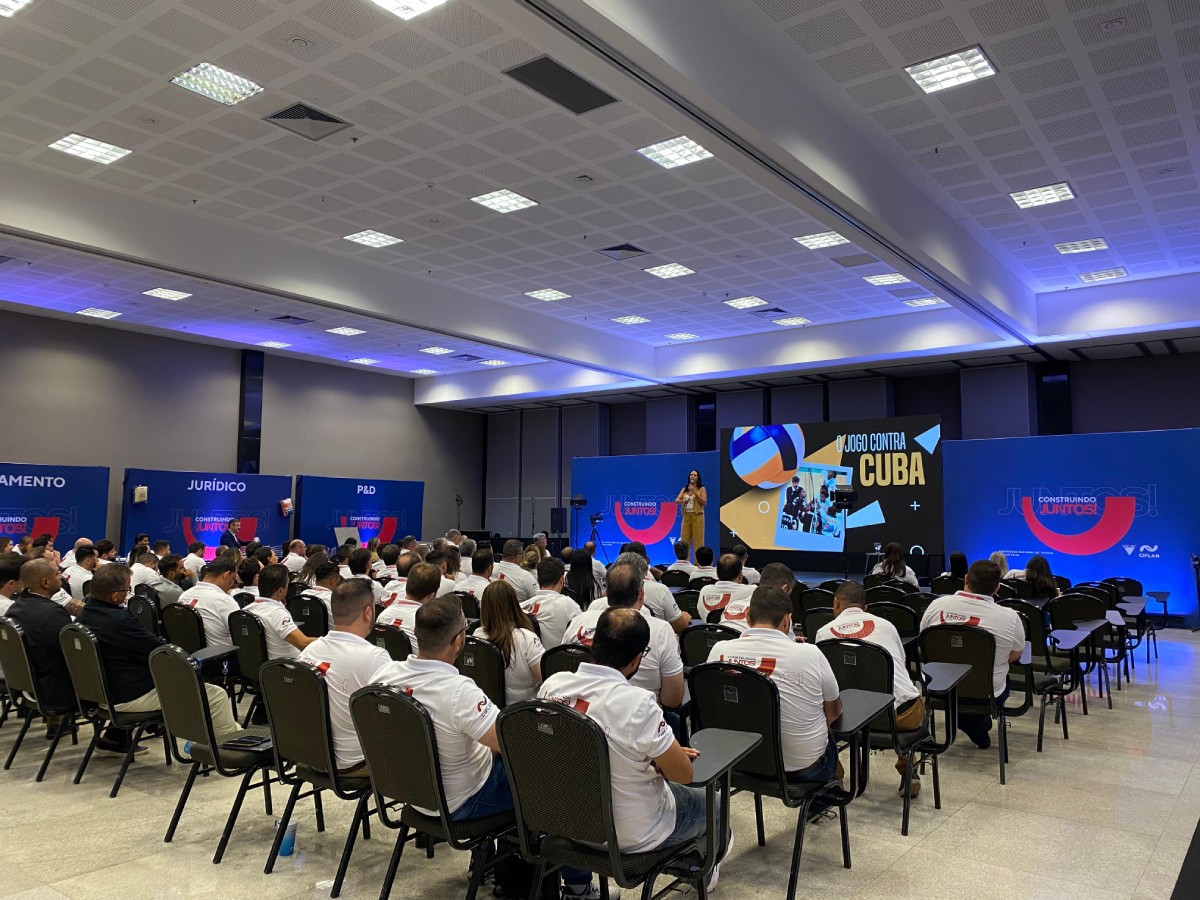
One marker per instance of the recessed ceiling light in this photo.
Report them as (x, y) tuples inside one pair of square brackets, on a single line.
[(504, 201), (166, 294), (1103, 275), (925, 301), (408, 9), (746, 302), (821, 240), (1082, 246), (423, 372), (349, 332), (274, 345), (97, 313), (370, 238), (437, 351), (631, 320), (8, 7), (90, 148), (792, 320), (669, 270), (950, 71), (365, 361), (681, 336), (678, 151), (547, 294), (217, 84), (891, 278), (1041, 196), (493, 362)]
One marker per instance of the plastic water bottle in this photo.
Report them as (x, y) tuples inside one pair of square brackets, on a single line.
[(288, 845)]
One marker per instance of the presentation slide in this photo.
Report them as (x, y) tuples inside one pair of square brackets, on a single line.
[(65, 502), (779, 484), (388, 510)]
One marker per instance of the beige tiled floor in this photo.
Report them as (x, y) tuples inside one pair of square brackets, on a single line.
[(1108, 814)]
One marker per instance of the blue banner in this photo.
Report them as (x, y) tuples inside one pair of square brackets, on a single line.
[(636, 497), (1094, 505), (66, 502), (388, 510), (183, 507)]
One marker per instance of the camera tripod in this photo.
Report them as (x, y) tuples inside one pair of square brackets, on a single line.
[(594, 537)]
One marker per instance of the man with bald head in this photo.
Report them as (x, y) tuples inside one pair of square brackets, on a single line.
[(68, 559), (599, 572), (41, 619)]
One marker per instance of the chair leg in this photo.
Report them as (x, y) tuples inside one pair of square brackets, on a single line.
[(1107, 685), (133, 742), (1154, 637), (166, 744), (231, 819), (905, 785), (282, 826), (1062, 702), (1041, 722), (758, 820), (266, 786), (250, 712), (1001, 744), (360, 813), (797, 849), (937, 785), (320, 808), (183, 799), (845, 836), (394, 864), (20, 737), (87, 754), (477, 863), (1083, 694)]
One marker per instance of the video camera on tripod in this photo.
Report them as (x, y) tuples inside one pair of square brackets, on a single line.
[(595, 518)]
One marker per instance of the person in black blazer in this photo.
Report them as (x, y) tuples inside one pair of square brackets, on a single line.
[(41, 619), (229, 538)]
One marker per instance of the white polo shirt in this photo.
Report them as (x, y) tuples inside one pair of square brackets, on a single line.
[(345, 572), (909, 575), (376, 587), (660, 661), (214, 607), (719, 595), (294, 562), (77, 577), (446, 587), (460, 576), (386, 573), (554, 612), (403, 614), (461, 713), (861, 625), (474, 585), (278, 625), (704, 572), (324, 594), (736, 614), (660, 601), (522, 580), (519, 683), (805, 681), (193, 564), (394, 590), (750, 575), (139, 574), (981, 612), (347, 662), (643, 805), (682, 565)]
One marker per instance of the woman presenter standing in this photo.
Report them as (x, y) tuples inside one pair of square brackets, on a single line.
[(692, 500)]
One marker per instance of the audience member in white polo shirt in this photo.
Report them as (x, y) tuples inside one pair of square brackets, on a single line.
[(295, 558), (658, 597), (285, 640), (509, 569), (750, 575), (394, 589), (210, 598), (465, 551), (808, 691), (504, 623), (247, 573), (894, 565), (80, 572), (194, 561), (347, 660), (704, 563), (106, 551), (728, 587), (553, 609), (420, 587), (736, 614), (325, 579), (438, 558), (854, 622), (975, 606), (683, 553), (581, 580), (652, 805), (68, 558), (481, 573), (385, 570), (661, 669), (161, 549), (144, 569), (359, 565), (453, 564)]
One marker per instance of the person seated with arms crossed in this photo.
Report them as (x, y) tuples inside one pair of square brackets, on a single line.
[(728, 587), (553, 609), (661, 669), (736, 614), (210, 598), (652, 804), (81, 571), (419, 588), (509, 569), (247, 572), (504, 623), (808, 692), (347, 661), (853, 621), (750, 575), (285, 640), (125, 648), (894, 565), (704, 563), (359, 564), (975, 606), (438, 558), (658, 597), (482, 567), (683, 552)]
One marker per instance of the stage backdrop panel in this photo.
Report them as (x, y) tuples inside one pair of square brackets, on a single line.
[(777, 482), (636, 495), (387, 510), (1095, 505), (195, 506), (68, 502)]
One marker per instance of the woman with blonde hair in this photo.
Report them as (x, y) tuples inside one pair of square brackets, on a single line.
[(531, 558), (308, 575), (502, 622)]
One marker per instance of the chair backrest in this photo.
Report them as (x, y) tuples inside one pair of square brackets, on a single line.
[(858, 665), (813, 620), (1021, 588), (1129, 587), (14, 660), (184, 628), (1005, 591), (483, 663), (296, 588), (393, 640), (1091, 591), (946, 584), (676, 578), (82, 652), (564, 658), (814, 598), (696, 642), (875, 579), (1107, 591), (963, 644), (736, 697), (689, 602), (470, 605), (147, 611), (181, 693), (250, 637), (1064, 583), (919, 601), (701, 581), (1074, 607), (1035, 624), (297, 702), (883, 592), (830, 585), (904, 617), (243, 598), (144, 590), (310, 614)]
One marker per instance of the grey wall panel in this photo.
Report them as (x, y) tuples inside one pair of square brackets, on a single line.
[(667, 425), (503, 473), (861, 398), (740, 408), (584, 433), (540, 469), (626, 429), (998, 401), (932, 395), (799, 404), (1138, 394)]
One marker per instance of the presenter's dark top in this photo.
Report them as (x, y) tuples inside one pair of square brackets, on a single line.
[(229, 539), (125, 646), (42, 619)]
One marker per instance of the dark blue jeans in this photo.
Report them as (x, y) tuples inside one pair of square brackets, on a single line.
[(822, 770), (977, 725)]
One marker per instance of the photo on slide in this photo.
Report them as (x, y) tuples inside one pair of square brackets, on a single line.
[(806, 519)]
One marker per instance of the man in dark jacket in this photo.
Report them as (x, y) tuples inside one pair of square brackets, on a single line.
[(41, 619)]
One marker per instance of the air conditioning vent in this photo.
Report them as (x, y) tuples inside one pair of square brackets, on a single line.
[(768, 312), (467, 357), (559, 84), (307, 122), (291, 320), (622, 251), (857, 259)]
